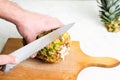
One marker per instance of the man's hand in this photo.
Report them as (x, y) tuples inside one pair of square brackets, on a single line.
[(5, 59), (33, 24), (29, 24)]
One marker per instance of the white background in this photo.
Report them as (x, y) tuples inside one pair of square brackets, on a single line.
[(93, 36)]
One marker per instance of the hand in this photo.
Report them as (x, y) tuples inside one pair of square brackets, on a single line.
[(5, 59), (33, 24)]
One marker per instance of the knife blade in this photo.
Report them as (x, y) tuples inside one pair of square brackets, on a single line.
[(26, 51)]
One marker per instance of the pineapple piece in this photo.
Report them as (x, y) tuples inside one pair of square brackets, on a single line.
[(55, 51), (109, 14)]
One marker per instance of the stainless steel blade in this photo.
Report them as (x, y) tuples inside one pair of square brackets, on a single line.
[(26, 51)]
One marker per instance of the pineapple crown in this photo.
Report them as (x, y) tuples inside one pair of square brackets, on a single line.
[(110, 10)]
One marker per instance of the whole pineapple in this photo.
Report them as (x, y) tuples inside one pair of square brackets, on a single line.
[(109, 14), (55, 51)]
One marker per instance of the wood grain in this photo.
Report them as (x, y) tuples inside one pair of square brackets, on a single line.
[(34, 69)]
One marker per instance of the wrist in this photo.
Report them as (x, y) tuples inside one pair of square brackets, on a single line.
[(18, 17)]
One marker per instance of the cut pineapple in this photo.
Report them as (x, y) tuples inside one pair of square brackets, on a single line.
[(55, 51), (109, 14)]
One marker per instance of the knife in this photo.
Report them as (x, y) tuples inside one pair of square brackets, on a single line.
[(26, 51)]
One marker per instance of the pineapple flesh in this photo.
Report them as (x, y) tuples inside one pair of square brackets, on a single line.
[(109, 14), (55, 51)]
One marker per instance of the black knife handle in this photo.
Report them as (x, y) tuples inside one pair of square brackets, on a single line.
[(2, 67)]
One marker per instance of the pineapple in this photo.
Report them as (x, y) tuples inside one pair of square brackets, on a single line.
[(55, 51), (109, 14)]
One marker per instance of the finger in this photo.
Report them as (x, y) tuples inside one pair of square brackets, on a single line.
[(34, 55), (29, 40), (56, 23), (5, 59), (52, 23)]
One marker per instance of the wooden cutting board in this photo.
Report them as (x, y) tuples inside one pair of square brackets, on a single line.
[(33, 69)]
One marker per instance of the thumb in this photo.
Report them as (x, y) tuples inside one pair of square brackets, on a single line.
[(5, 59)]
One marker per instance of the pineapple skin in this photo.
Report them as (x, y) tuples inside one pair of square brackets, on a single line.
[(55, 51), (109, 14), (113, 27)]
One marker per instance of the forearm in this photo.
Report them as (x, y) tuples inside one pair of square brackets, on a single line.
[(10, 11)]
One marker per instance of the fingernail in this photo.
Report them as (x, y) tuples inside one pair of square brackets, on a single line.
[(33, 56)]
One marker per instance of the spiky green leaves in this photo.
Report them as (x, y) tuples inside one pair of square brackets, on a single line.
[(110, 13), (110, 10)]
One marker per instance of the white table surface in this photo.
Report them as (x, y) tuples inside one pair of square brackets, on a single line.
[(93, 36)]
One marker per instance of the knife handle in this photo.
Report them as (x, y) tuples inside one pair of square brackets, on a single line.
[(2, 67)]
